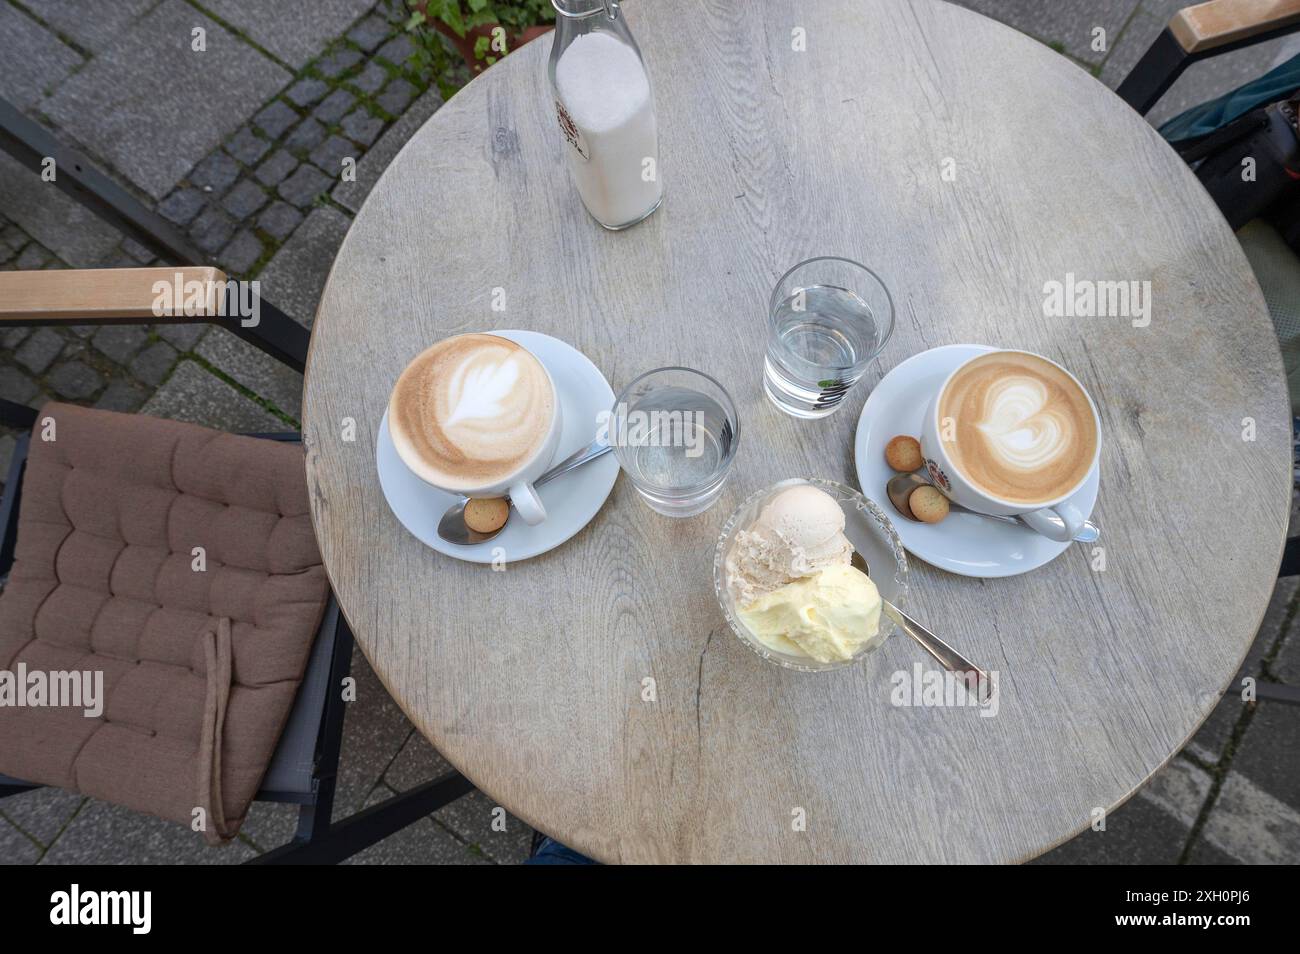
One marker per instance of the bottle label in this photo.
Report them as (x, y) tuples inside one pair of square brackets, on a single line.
[(571, 131)]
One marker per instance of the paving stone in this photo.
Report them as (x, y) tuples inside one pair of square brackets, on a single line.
[(294, 30), (270, 380), (370, 32), (295, 277), (307, 135), (39, 351), (1204, 853), (1274, 729), (8, 445), (304, 186), (15, 847), (472, 818), (372, 165), (270, 824), (194, 394), (397, 50), (418, 762), (421, 843), (42, 812), (247, 147), (104, 834), (120, 342), (137, 251), (371, 79), (275, 119), (152, 364), (274, 169), (241, 254), (182, 336), (212, 229), (12, 337), (280, 220), (1139, 832), (32, 257), (361, 127), (333, 107), (338, 61), (124, 396), (1251, 825), (182, 205), (330, 154), (306, 91), (69, 230), (75, 380), (16, 386), (34, 58), (374, 730), (244, 199), (91, 24), (1286, 667), (1180, 788), (396, 97), (215, 174), (13, 237), (113, 105)]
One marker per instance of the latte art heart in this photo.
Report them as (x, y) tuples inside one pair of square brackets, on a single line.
[(471, 411), (1023, 429)]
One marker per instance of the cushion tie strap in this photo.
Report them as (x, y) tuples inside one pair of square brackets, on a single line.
[(216, 652)]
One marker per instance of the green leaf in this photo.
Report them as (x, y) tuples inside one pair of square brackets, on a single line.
[(451, 16), (416, 20), (477, 5), (481, 46)]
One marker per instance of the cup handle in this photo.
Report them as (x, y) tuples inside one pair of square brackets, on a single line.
[(1061, 523), (528, 503)]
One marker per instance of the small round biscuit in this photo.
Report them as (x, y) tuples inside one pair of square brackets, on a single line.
[(928, 505), (486, 514), (903, 453)]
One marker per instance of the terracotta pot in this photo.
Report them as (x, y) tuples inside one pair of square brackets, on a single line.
[(465, 44)]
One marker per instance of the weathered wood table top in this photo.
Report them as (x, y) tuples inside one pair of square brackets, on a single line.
[(531, 680)]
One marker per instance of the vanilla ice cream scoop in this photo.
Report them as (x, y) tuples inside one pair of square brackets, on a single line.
[(797, 533), (829, 616)]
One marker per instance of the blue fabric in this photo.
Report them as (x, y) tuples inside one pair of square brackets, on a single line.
[(1279, 83), (551, 852)]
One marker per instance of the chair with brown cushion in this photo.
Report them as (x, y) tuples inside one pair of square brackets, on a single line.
[(180, 562)]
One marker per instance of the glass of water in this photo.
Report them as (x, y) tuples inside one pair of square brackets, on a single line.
[(828, 319), (675, 432)]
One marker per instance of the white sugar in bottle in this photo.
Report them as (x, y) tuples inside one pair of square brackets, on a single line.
[(605, 107)]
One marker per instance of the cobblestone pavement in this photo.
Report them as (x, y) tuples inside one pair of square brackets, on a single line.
[(243, 148)]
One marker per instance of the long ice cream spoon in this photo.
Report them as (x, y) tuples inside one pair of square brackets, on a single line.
[(944, 654), (900, 488), (452, 526)]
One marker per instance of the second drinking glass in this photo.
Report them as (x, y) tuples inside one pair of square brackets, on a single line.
[(675, 432), (828, 319)]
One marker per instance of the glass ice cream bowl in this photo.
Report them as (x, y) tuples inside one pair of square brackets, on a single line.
[(873, 537)]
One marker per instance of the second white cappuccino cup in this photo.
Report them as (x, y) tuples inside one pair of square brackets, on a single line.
[(1054, 517), (517, 483)]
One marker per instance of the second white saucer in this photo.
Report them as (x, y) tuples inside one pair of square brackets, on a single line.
[(963, 543)]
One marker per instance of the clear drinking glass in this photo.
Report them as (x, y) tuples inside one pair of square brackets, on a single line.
[(675, 432), (828, 319)]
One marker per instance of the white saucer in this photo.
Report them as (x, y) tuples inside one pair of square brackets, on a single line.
[(963, 543), (571, 501)]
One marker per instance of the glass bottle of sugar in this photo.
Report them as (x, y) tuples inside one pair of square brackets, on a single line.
[(606, 111)]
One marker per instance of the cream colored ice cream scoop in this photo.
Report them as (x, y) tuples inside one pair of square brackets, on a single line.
[(829, 616)]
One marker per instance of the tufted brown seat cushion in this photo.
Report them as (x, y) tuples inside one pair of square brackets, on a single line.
[(106, 579)]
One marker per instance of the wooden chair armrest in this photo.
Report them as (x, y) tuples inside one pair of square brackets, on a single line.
[(1207, 26), (62, 295)]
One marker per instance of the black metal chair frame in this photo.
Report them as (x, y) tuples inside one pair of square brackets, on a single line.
[(1151, 77), (317, 839)]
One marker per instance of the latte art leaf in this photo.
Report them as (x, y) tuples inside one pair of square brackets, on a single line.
[(479, 392)]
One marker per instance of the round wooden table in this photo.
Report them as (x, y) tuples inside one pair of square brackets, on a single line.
[(532, 681)]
